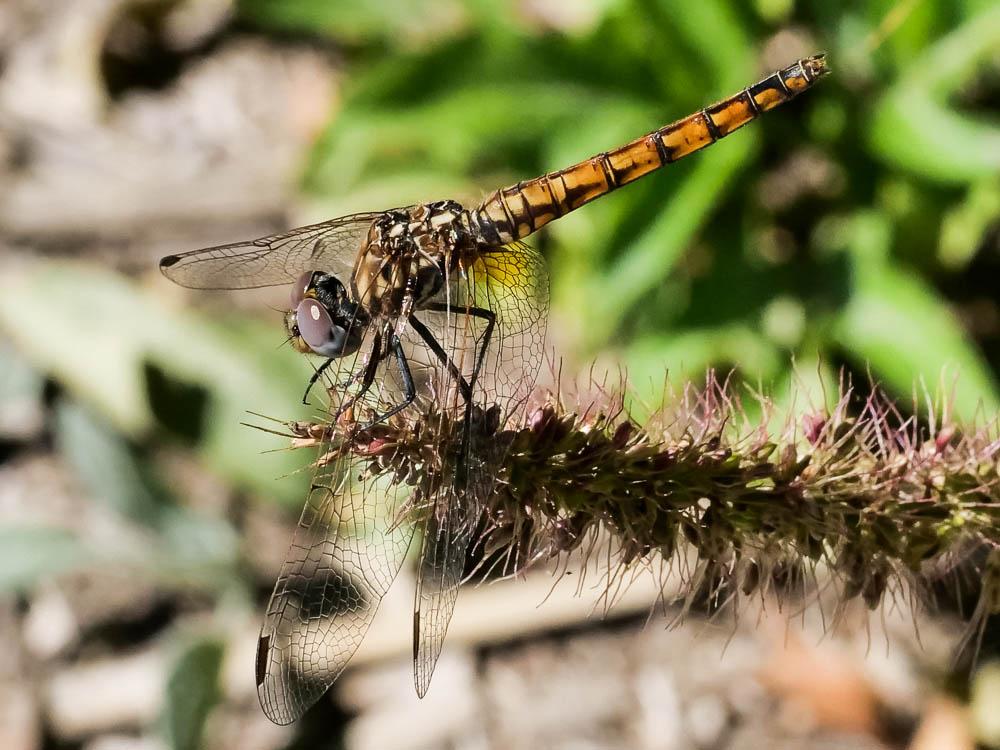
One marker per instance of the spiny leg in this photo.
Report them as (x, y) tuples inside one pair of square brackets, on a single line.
[(409, 390), (317, 374), (367, 379), (477, 312), (491, 321), (441, 354), (465, 387), (491, 318)]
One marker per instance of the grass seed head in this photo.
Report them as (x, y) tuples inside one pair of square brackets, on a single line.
[(879, 499)]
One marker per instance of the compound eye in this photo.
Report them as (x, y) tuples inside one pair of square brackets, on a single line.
[(318, 330), (315, 323), (302, 285)]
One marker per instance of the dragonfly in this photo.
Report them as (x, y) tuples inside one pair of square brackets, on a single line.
[(432, 305)]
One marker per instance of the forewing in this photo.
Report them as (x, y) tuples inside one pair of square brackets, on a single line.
[(512, 283), (346, 551), (330, 246)]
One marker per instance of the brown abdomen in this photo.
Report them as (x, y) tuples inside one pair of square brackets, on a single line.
[(515, 212)]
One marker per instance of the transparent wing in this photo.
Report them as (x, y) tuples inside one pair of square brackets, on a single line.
[(511, 284), (447, 536), (330, 246), (345, 554)]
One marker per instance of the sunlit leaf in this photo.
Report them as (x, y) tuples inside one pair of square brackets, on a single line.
[(192, 691), (896, 324), (915, 128), (452, 132), (685, 356), (964, 228), (810, 386), (648, 260), (357, 20)]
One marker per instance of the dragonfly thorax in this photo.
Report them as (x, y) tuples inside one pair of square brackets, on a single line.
[(408, 255)]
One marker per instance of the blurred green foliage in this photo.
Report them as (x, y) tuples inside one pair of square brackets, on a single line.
[(192, 690), (141, 363)]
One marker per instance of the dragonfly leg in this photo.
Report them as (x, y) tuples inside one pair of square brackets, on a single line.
[(312, 381), (462, 470), (478, 312), (409, 390), (491, 320), (441, 354), (466, 387), (367, 377)]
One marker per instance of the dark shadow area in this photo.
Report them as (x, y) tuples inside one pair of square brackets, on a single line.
[(139, 54), (135, 625), (321, 727), (179, 407)]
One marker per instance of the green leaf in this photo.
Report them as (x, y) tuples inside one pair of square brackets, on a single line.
[(198, 550), (714, 29), (108, 470), (96, 333), (21, 387), (649, 259), (964, 227), (686, 355), (357, 20), (593, 231), (450, 132), (192, 691), (914, 128), (398, 188), (188, 547), (896, 324), (30, 553), (809, 386)]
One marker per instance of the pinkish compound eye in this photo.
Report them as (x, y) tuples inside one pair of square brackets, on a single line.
[(315, 324), (302, 284)]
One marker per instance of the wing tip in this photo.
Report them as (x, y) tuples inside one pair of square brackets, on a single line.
[(421, 680), (280, 719), (276, 706), (169, 261)]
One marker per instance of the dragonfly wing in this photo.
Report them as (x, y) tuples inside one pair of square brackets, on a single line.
[(346, 551), (330, 246), (447, 536), (511, 283)]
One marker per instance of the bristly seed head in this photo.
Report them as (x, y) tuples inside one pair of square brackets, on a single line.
[(878, 500)]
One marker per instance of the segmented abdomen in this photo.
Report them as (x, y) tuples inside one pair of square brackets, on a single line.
[(515, 212)]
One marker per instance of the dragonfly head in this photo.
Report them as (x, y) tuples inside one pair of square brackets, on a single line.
[(323, 319)]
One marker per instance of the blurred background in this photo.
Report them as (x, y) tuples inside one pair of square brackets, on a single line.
[(141, 526)]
